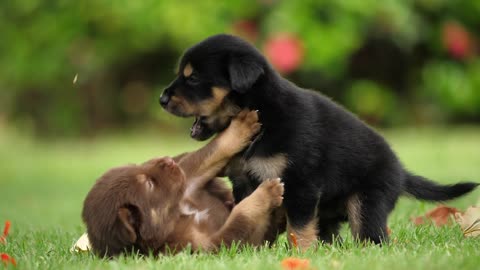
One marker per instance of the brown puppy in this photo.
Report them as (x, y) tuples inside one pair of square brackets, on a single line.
[(168, 204)]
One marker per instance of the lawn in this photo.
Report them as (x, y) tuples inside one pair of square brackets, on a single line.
[(43, 185)]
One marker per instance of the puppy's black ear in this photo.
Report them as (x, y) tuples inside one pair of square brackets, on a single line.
[(244, 71)]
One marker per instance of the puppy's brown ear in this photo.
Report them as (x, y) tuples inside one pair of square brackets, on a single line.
[(244, 71), (127, 225)]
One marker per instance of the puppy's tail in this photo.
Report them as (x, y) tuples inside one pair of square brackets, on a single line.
[(425, 189)]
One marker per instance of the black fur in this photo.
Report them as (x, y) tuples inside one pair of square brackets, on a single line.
[(425, 189), (332, 155)]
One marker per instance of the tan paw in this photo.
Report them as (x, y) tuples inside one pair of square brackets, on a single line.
[(246, 124), (274, 189), (240, 132)]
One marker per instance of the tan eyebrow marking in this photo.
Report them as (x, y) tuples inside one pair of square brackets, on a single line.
[(187, 70)]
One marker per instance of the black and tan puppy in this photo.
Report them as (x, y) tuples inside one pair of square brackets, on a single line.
[(335, 167), (168, 204)]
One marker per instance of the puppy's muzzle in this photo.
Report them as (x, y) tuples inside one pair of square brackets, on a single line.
[(164, 100)]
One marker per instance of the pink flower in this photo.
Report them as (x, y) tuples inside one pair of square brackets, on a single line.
[(457, 40), (285, 52)]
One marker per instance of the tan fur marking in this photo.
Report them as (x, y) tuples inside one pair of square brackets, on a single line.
[(176, 99), (187, 70), (306, 237), (209, 106), (354, 206), (270, 167), (219, 93), (186, 107)]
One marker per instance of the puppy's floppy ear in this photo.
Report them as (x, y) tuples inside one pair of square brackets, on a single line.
[(244, 71), (127, 225)]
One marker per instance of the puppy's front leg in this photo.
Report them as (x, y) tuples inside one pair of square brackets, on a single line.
[(206, 163), (249, 220)]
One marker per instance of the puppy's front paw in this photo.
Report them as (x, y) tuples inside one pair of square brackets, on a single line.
[(241, 130), (245, 124), (274, 189)]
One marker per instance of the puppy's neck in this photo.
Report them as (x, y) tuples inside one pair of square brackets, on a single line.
[(271, 100)]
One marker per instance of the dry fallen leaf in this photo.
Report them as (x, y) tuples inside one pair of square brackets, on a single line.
[(75, 78), (82, 244), (295, 264), (469, 221), (439, 216)]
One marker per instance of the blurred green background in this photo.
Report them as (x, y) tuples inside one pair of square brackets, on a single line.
[(77, 68)]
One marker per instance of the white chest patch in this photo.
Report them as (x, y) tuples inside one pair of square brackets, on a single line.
[(198, 216), (267, 167)]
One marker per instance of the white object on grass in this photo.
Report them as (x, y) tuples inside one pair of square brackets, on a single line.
[(82, 244)]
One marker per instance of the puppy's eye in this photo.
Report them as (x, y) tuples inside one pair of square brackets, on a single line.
[(193, 79)]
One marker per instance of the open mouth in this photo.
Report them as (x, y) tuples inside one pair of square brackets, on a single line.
[(200, 129), (197, 127)]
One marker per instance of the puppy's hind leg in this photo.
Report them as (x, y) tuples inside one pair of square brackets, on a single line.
[(302, 221), (218, 188), (249, 220), (367, 215), (328, 230)]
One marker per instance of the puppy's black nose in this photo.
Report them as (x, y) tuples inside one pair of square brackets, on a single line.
[(164, 99)]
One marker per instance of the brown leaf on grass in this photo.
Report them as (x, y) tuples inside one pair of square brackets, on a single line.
[(295, 264), (469, 221), (440, 216)]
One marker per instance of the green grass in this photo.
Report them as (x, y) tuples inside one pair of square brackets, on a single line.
[(43, 184)]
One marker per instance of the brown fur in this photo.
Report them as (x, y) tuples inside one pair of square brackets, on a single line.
[(276, 226), (354, 206), (157, 206)]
